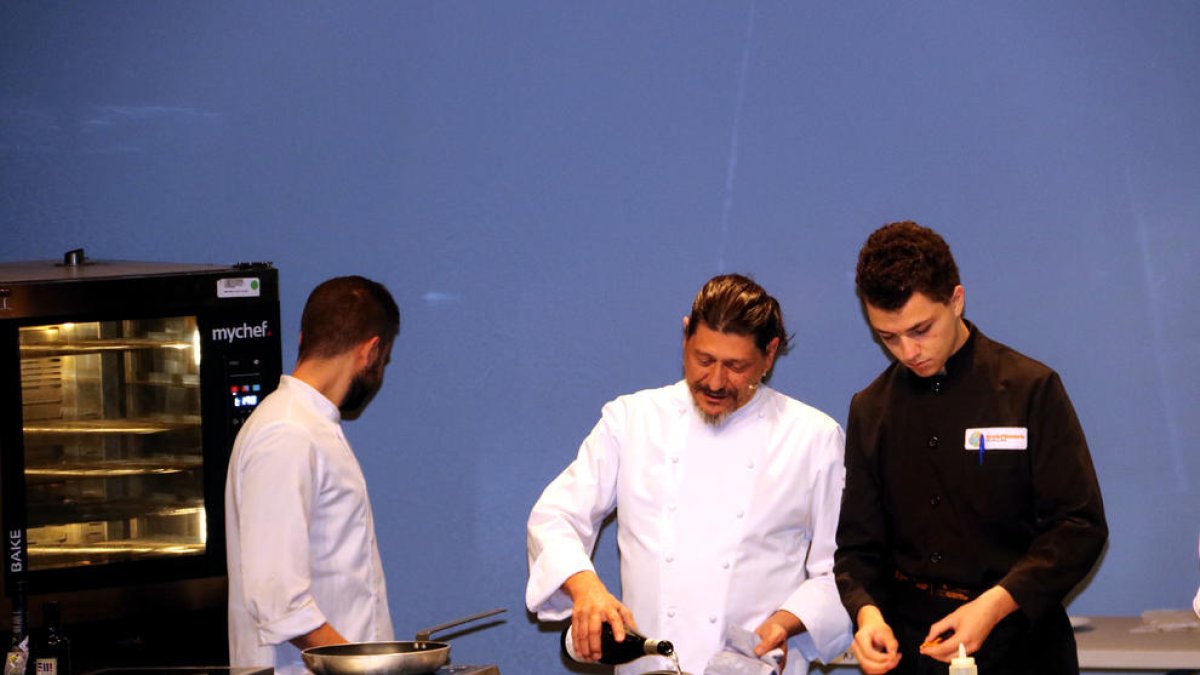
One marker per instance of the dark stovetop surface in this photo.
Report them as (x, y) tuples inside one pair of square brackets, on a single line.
[(217, 670), (182, 670)]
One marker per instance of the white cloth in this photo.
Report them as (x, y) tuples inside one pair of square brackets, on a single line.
[(300, 533), (715, 526), (737, 658)]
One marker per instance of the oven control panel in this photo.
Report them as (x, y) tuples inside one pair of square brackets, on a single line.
[(245, 386)]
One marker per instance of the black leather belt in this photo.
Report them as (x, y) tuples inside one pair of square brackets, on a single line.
[(937, 589)]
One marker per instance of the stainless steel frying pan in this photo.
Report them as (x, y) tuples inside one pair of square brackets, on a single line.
[(387, 658)]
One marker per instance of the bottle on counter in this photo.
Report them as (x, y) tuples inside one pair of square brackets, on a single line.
[(16, 661), (963, 664), (52, 654), (612, 652)]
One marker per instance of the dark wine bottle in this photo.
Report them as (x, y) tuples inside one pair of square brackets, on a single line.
[(52, 655), (16, 661), (19, 620), (634, 646)]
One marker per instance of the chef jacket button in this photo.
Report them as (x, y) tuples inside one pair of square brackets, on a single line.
[(725, 565), (671, 507), (935, 500), (750, 464), (935, 557), (674, 460), (932, 442), (712, 619), (936, 386), (741, 514), (670, 558), (671, 613)]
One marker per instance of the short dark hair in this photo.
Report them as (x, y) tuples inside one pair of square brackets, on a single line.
[(732, 303), (344, 312), (903, 258)]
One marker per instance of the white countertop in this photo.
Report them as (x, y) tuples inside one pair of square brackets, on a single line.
[(1115, 643), (1127, 643)]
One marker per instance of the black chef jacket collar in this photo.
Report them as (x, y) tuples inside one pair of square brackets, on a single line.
[(957, 366)]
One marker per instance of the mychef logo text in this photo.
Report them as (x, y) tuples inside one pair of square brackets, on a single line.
[(242, 332)]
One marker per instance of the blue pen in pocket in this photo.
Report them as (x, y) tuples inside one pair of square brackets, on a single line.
[(981, 448)]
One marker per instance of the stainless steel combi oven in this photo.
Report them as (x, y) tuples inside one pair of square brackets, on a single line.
[(123, 387)]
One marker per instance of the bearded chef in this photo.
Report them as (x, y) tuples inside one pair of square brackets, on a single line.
[(304, 565), (726, 494)]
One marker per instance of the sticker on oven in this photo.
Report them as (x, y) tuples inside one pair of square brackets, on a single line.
[(997, 438), (238, 287)]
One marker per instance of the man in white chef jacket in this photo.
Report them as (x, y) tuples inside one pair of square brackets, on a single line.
[(304, 565), (726, 494)]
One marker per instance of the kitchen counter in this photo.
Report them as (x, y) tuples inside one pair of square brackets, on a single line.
[(1114, 643), (1123, 643), (219, 670), (183, 670)]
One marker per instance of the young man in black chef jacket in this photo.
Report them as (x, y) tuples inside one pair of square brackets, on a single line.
[(971, 506)]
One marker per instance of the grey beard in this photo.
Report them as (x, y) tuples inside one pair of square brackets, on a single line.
[(710, 419)]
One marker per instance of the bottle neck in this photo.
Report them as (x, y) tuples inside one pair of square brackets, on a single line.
[(659, 647), (19, 629)]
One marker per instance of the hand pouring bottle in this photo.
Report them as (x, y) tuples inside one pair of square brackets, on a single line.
[(963, 664), (612, 652)]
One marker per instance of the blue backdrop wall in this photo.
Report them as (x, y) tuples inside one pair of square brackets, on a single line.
[(545, 185)]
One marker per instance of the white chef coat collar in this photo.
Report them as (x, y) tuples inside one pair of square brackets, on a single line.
[(751, 406), (318, 401)]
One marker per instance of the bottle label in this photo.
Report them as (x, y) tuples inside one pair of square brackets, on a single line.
[(45, 666), (569, 645)]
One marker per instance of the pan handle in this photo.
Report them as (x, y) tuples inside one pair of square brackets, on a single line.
[(424, 635)]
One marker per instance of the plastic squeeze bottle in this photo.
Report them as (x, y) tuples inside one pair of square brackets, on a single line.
[(963, 664)]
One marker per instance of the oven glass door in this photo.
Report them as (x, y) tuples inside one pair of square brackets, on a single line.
[(112, 437)]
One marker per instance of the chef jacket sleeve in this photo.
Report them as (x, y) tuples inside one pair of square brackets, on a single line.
[(1196, 603), (274, 491), (862, 558), (816, 602), (1069, 511), (565, 521)]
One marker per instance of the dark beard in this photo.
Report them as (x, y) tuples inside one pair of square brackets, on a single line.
[(358, 396)]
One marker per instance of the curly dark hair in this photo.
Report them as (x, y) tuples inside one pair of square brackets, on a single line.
[(903, 258), (732, 303), (345, 311)]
